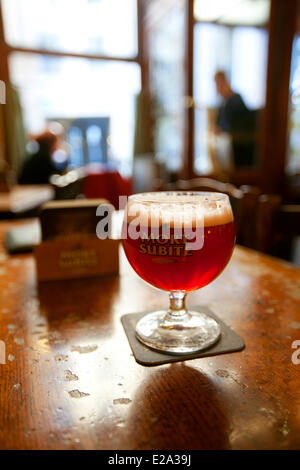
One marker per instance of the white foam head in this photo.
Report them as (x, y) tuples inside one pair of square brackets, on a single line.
[(196, 209)]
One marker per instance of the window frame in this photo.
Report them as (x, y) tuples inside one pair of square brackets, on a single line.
[(7, 49)]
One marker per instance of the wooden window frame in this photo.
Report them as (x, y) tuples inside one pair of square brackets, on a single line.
[(6, 49)]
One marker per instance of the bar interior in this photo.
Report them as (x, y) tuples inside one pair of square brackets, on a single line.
[(149, 149)]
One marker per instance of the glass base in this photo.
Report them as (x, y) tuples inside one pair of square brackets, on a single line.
[(189, 333)]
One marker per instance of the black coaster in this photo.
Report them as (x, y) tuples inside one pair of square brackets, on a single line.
[(228, 343)]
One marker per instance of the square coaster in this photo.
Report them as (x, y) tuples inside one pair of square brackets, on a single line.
[(228, 343)]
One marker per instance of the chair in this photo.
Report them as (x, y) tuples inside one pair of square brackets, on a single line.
[(243, 201), (277, 225)]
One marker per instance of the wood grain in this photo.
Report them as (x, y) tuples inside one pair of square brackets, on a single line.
[(70, 380)]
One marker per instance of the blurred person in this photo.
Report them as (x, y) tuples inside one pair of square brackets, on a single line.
[(48, 157), (232, 106), (234, 118)]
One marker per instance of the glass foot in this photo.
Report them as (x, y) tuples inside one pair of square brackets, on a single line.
[(189, 333)]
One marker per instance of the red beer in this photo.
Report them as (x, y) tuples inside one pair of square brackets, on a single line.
[(178, 241), (166, 263)]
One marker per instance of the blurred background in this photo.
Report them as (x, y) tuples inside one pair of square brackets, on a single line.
[(110, 97)]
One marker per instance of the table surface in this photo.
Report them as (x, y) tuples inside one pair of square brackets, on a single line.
[(71, 382), (22, 198)]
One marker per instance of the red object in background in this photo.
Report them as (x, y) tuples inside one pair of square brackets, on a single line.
[(107, 184)]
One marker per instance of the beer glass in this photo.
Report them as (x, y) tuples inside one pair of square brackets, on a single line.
[(178, 242)]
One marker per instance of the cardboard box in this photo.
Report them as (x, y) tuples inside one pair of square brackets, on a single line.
[(68, 218), (66, 259), (70, 248)]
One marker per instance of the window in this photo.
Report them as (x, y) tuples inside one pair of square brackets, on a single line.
[(240, 51), (104, 27), (294, 114), (76, 63), (166, 46), (233, 12)]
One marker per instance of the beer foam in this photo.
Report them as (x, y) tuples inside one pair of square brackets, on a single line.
[(179, 209)]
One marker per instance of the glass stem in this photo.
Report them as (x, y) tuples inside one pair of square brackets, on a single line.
[(177, 310)]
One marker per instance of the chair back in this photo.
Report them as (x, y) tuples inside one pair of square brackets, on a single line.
[(277, 225), (243, 202)]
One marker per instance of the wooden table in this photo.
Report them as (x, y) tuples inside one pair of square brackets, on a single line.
[(23, 199), (71, 382)]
